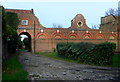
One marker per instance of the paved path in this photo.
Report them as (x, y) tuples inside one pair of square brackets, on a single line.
[(44, 68)]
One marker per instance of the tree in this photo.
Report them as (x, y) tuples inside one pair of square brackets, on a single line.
[(26, 43), (107, 13), (12, 20), (10, 37), (57, 26), (20, 43), (96, 26), (6, 29), (112, 11)]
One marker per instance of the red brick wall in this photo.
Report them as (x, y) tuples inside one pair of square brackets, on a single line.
[(49, 43), (46, 41)]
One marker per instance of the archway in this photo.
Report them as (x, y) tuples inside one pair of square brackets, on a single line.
[(28, 47)]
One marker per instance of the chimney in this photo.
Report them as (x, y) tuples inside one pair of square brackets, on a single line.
[(32, 11)]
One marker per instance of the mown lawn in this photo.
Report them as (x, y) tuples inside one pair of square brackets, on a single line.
[(13, 70), (115, 59)]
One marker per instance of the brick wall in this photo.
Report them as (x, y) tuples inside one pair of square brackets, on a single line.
[(109, 23), (44, 44), (47, 38)]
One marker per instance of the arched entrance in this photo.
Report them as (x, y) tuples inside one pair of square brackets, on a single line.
[(29, 40)]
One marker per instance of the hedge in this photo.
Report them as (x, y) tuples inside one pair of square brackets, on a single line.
[(88, 53)]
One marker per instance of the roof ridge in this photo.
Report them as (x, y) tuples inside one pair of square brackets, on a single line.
[(17, 9)]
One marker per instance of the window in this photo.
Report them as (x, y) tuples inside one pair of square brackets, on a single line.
[(24, 22), (79, 23)]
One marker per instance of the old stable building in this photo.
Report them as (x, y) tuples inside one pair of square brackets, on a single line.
[(45, 39)]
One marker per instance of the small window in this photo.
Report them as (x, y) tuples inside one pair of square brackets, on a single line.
[(24, 22), (79, 23)]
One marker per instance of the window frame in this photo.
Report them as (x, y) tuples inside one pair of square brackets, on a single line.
[(23, 21)]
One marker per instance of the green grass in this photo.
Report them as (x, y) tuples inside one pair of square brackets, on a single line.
[(116, 58), (13, 70), (21, 49), (55, 56)]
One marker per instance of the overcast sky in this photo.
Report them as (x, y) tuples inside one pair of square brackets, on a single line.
[(64, 11)]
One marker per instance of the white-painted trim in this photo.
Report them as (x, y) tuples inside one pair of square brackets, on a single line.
[(24, 30), (58, 31), (41, 30), (87, 31), (73, 31)]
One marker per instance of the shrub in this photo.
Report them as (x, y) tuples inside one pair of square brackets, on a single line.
[(101, 54), (72, 49), (89, 53), (79, 48), (54, 50), (62, 48)]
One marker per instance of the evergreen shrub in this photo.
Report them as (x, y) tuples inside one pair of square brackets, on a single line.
[(88, 53)]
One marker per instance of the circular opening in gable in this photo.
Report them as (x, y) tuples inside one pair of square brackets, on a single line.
[(79, 23)]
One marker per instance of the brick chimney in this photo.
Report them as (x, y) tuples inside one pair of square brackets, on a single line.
[(32, 11)]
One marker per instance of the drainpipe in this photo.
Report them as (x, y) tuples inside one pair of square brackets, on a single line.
[(118, 29), (117, 43), (34, 36)]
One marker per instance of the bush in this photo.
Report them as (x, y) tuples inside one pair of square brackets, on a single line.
[(89, 53), (72, 49), (79, 48), (62, 48)]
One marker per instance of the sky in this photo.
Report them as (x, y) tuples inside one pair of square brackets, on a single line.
[(63, 11)]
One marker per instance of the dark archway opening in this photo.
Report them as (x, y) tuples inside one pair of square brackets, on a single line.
[(26, 39)]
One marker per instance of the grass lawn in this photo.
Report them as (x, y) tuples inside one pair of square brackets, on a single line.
[(21, 49), (55, 56), (116, 58), (13, 70)]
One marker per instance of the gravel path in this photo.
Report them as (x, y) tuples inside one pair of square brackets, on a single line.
[(44, 68)]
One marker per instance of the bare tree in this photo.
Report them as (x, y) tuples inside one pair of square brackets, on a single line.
[(96, 26), (60, 26), (57, 26), (112, 11), (54, 26)]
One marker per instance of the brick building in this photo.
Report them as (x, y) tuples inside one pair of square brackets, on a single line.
[(47, 38), (112, 23), (109, 23)]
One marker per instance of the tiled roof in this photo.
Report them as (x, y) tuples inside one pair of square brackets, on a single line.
[(19, 11)]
